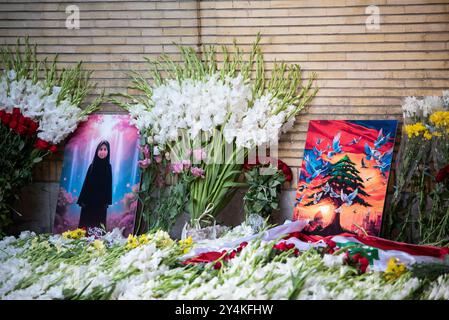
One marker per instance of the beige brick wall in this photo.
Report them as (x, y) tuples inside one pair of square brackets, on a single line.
[(363, 74)]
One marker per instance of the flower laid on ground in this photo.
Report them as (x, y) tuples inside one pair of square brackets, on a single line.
[(207, 115), (36, 115), (53, 267), (186, 244), (74, 234), (394, 269), (98, 244)]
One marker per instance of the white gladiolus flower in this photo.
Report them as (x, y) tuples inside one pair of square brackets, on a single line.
[(201, 106), (148, 272), (56, 119)]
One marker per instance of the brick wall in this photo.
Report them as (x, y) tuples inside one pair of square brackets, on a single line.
[(362, 74)]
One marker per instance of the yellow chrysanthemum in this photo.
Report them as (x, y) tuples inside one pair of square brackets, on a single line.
[(416, 130), (440, 119), (427, 135), (132, 242), (143, 239), (74, 234), (394, 269), (186, 244)]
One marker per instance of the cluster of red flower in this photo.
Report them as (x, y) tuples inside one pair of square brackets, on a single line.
[(283, 246), (281, 165), (24, 126), (213, 256), (357, 260)]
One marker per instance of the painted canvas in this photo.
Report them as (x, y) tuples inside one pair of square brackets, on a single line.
[(344, 175), (100, 176)]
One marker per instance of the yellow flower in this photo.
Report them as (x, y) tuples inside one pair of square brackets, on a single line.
[(164, 243), (440, 119), (74, 234), (143, 239), (394, 269), (186, 244), (427, 135), (98, 245), (415, 130), (132, 242)]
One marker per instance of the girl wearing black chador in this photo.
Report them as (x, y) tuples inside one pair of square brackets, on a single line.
[(96, 193)]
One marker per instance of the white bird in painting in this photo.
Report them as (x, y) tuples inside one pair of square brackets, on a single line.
[(348, 198)]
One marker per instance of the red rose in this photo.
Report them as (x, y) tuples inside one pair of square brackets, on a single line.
[(6, 118), (13, 123), (32, 127), (296, 252), (53, 149), (217, 265), (21, 129), (290, 246), (232, 254), (243, 244), (41, 144), (21, 119), (16, 112)]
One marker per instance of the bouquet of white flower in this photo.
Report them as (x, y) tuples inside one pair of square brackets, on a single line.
[(36, 115), (209, 115)]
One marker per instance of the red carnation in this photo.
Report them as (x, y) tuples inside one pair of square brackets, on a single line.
[(442, 174), (41, 144)]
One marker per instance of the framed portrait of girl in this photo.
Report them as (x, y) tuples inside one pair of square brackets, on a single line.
[(100, 176)]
